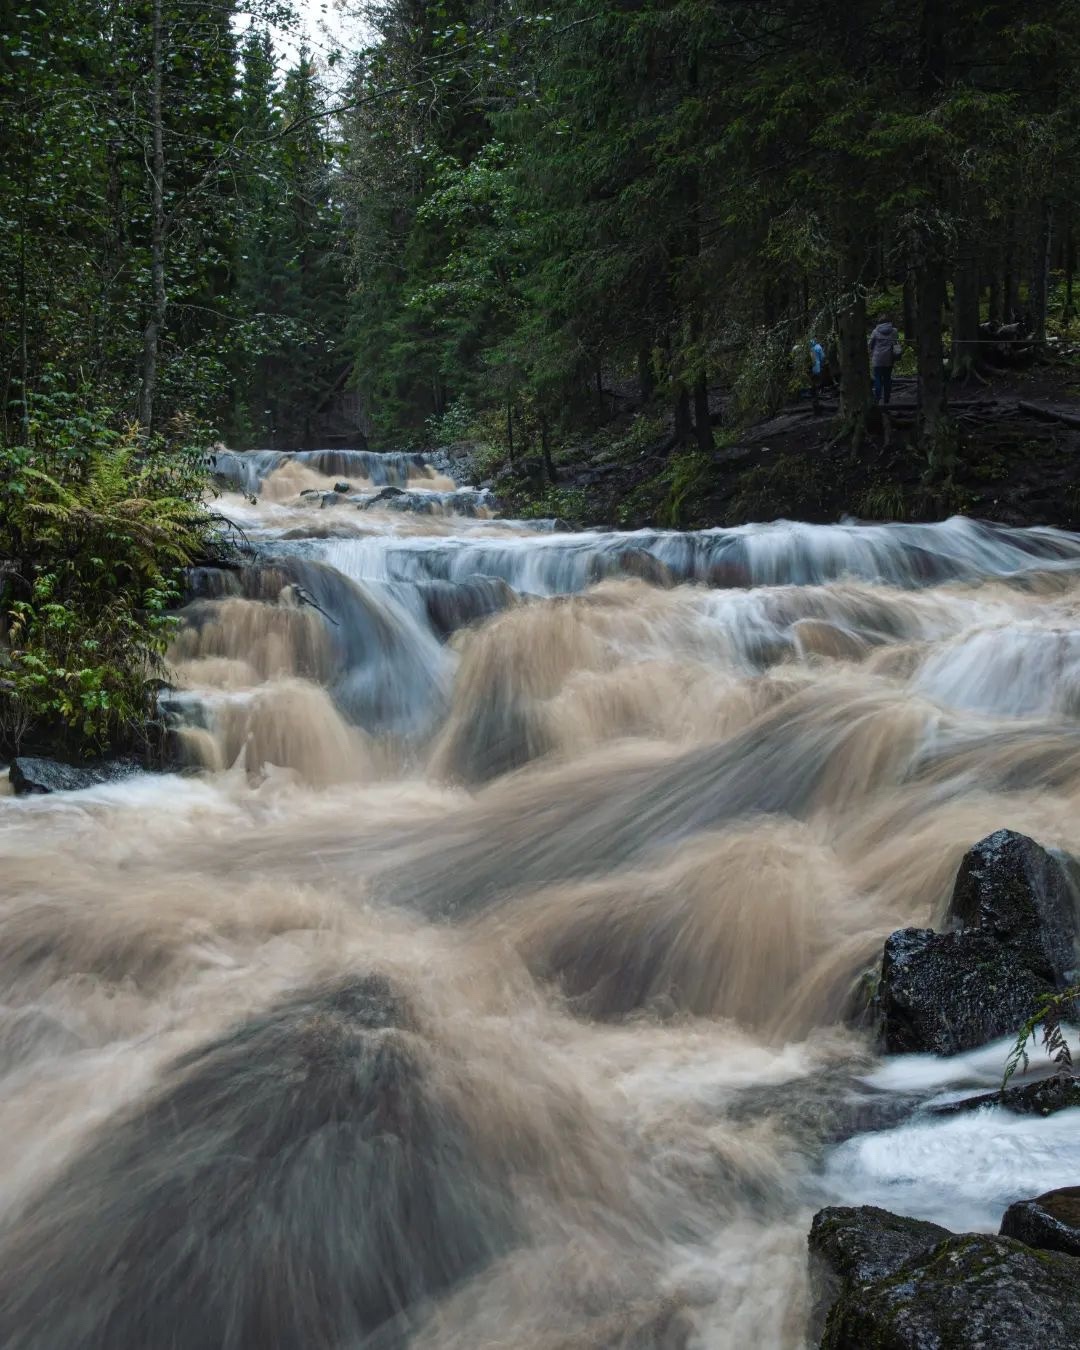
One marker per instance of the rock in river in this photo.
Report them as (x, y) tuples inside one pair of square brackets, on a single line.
[(947, 992), (1011, 940), (970, 1291), (31, 775), (1011, 887), (1052, 1221), (856, 1246)]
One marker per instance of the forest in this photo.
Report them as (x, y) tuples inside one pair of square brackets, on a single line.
[(497, 222)]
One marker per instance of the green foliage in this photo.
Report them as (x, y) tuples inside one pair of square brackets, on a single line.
[(456, 423), (1050, 1018), (627, 444), (670, 496), (569, 504), (882, 501), (788, 486), (685, 477), (96, 529)]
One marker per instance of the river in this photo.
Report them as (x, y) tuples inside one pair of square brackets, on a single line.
[(488, 979)]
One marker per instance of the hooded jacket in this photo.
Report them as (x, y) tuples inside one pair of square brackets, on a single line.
[(881, 344)]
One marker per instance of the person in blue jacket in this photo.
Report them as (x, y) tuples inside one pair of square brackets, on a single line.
[(817, 372)]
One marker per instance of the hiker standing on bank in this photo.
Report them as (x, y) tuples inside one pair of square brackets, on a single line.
[(817, 372), (884, 351)]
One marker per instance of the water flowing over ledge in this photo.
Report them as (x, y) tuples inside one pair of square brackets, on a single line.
[(487, 983)]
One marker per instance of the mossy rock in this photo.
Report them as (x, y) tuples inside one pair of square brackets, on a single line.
[(1051, 1222), (986, 1293)]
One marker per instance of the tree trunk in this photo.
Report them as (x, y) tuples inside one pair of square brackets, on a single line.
[(1070, 274), (965, 318), (856, 399), (1010, 281), (910, 321), (646, 377), (545, 450), (936, 432), (702, 420), (995, 310), (156, 323), (1039, 292), (24, 351), (683, 426)]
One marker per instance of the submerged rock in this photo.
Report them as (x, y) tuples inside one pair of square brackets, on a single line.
[(992, 1293), (31, 775), (631, 562), (1051, 1222), (297, 1183), (948, 992), (452, 605)]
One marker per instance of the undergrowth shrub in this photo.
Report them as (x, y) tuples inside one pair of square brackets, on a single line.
[(96, 528)]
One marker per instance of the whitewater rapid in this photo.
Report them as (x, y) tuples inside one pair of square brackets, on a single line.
[(488, 976)]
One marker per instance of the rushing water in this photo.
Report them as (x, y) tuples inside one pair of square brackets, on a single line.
[(488, 982)]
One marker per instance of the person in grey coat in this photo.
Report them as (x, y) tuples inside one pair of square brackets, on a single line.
[(884, 349)]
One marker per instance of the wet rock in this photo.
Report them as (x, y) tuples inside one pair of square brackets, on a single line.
[(311, 492), (456, 604), (308, 1173), (631, 562), (1041, 1098), (1012, 941), (332, 499), (1050, 1222), (948, 992), (342, 487), (968, 1291), (861, 1243), (851, 1246), (382, 499), (729, 574), (31, 775), (1011, 887)]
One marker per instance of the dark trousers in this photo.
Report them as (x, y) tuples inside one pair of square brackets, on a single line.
[(882, 384)]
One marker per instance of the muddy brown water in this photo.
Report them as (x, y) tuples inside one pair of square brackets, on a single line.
[(484, 981)]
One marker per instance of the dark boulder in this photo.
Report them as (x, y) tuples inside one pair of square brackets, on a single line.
[(858, 1245), (31, 775), (969, 1291), (1012, 939), (1041, 1098), (1052, 1221), (1011, 887), (948, 992), (342, 487)]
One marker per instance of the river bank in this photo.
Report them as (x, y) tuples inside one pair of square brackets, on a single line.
[(1020, 442)]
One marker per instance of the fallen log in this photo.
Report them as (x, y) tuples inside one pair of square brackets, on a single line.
[(1049, 414)]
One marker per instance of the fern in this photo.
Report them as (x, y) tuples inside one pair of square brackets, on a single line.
[(103, 528), (1050, 1016)]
